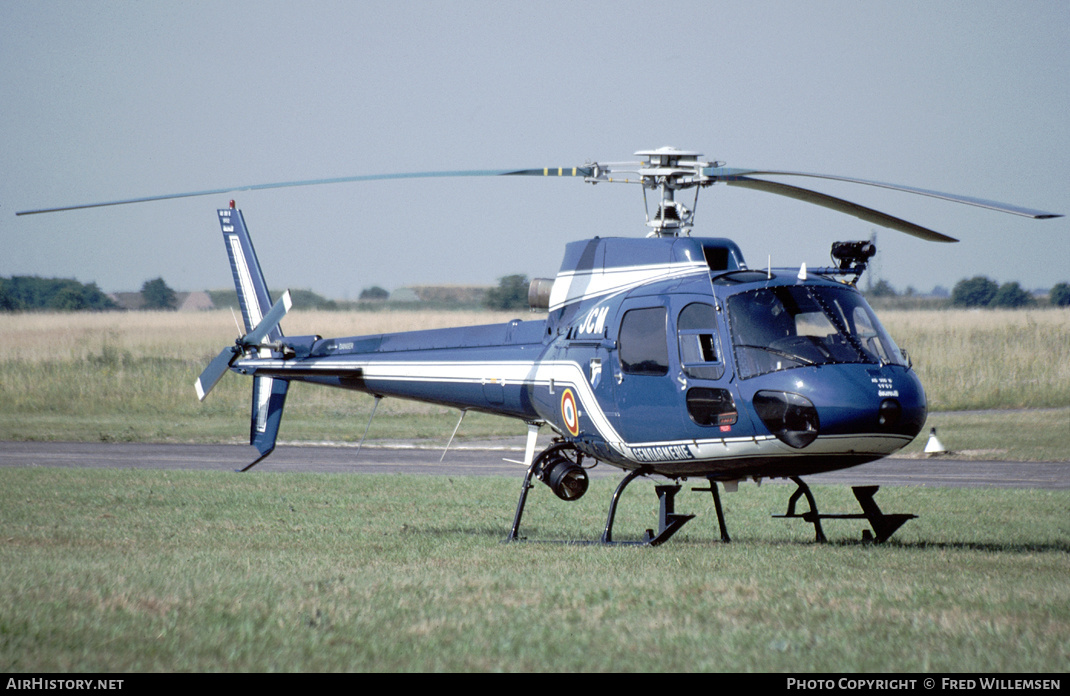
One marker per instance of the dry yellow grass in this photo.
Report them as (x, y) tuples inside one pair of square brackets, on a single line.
[(967, 359), (988, 358), (130, 376), (42, 337)]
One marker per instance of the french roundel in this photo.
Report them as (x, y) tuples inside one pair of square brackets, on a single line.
[(569, 413)]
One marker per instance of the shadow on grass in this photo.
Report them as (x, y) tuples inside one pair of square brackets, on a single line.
[(537, 536), (987, 547), (996, 547), (431, 531), (529, 536)]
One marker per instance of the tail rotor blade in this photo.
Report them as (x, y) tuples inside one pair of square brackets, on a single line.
[(270, 320), (214, 372), (221, 363)]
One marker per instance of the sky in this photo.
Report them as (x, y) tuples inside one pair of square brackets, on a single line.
[(103, 100)]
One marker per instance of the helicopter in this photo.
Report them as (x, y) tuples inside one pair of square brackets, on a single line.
[(664, 355)]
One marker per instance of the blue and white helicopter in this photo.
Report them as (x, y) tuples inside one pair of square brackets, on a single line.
[(664, 356)]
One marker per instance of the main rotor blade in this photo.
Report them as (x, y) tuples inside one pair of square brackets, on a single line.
[(545, 171), (728, 174), (838, 204)]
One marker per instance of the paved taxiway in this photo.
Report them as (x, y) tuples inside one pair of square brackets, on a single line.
[(489, 460)]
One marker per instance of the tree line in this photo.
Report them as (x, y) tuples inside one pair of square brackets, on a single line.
[(31, 293), (978, 291), (981, 291)]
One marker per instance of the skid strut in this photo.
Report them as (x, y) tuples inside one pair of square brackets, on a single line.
[(884, 525), (717, 506), (532, 461), (514, 533), (669, 521)]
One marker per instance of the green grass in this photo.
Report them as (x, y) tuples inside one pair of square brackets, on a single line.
[(201, 571), (104, 570), (1038, 435)]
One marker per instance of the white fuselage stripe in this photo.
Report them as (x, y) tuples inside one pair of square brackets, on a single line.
[(565, 373), (572, 286)]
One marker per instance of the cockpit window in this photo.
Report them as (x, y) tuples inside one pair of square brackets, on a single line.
[(868, 334), (700, 352), (783, 327)]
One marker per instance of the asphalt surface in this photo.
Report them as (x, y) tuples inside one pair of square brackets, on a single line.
[(489, 460)]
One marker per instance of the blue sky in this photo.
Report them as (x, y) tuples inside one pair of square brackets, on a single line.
[(113, 100)]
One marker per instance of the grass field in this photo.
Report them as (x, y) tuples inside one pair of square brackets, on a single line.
[(988, 359), (167, 571), (144, 571)]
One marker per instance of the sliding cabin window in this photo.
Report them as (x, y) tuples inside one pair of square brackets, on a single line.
[(644, 347), (700, 351)]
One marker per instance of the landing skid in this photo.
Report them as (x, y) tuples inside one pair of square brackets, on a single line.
[(884, 526), (669, 521)]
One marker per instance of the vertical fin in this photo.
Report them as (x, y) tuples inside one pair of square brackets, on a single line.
[(249, 279), (269, 398), (269, 393)]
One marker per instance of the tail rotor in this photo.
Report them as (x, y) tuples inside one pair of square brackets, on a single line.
[(250, 341)]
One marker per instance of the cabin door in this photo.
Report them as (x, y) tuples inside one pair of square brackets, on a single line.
[(647, 397)]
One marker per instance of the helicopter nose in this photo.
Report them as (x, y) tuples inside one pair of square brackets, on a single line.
[(847, 400), (902, 409), (886, 406)]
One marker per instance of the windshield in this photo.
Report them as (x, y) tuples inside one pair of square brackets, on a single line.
[(783, 327)]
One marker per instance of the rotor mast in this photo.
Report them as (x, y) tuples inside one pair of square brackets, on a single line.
[(668, 170)]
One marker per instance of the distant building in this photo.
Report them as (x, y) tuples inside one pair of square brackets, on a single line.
[(127, 300), (441, 294), (184, 301), (194, 301), (404, 295)]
